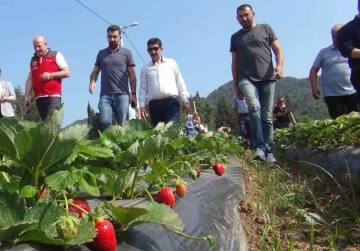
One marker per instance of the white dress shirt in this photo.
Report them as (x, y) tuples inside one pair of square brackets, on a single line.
[(161, 80)]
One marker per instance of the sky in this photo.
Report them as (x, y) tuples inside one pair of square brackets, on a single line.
[(195, 33)]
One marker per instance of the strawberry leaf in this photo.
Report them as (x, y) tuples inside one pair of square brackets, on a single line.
[(38, 235), (125, 214), (86, 232), (95, 151), (87, 182), (12, 232), (60, 180), (28, 192), (157, 214)]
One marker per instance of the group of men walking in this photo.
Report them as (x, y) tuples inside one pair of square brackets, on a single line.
[(161, 83)]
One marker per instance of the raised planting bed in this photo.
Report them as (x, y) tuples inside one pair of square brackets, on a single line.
[(209, 207)]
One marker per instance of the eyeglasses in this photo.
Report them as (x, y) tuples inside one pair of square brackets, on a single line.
[(153, 49), (281, 100)]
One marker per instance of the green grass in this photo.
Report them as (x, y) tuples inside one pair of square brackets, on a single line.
[(306, 199)]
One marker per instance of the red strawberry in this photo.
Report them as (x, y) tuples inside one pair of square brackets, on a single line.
[(166, 196), (105, 239), (81, 203), (198, 172), (181, 189), (218, 168)]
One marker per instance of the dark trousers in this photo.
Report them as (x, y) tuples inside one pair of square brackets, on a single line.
[(164, 110), (355, 79), (340, 105), (47, 105), (244, 128)]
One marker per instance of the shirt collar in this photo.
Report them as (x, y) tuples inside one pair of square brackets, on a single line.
[(48, 50), (162, 60), (108, 48)]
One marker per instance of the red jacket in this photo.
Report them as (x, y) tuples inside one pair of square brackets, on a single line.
[(48, 64)]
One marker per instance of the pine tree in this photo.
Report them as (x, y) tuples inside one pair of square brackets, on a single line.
[(30, 113), (224, 113)]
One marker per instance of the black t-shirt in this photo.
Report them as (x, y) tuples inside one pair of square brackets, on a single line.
[(284, 116)]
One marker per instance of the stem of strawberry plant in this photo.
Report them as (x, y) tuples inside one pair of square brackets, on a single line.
[(134, 181), (209, 238), (146, 191), (66, 204)]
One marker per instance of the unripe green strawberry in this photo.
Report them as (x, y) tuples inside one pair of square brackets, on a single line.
[(67, 227), (193, 174)]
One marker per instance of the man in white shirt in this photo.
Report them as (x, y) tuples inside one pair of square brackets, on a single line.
[(241, 115), (161, 84)]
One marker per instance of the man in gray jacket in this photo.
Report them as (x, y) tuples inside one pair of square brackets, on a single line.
[(7, 95)]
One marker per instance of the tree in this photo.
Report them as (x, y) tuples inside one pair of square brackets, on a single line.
[(30, 113), (93, 123), (224, 113)]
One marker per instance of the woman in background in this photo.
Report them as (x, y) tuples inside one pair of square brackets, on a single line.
[(7, 95), (281, 115)]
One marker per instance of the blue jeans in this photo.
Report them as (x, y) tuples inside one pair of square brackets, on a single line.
[(259, 98), (164, 110), (117, 103)]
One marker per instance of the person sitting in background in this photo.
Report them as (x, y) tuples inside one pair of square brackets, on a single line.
[(281, 114), (189, 126), (339, 94), (7, 95), (196, 121)]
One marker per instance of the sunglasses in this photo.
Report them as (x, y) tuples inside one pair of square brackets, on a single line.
[(281, 100), (153, 49)]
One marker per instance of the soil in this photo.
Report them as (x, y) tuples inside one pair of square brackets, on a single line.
[(254, 225)]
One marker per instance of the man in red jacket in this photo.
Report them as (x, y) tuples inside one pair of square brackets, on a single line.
[(47, 69)]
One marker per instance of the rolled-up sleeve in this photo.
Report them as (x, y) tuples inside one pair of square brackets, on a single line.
[(183, 93), (344, 41)]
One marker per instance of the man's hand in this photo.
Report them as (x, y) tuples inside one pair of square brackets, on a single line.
[(238, 93), (186, 107), (46, 76), (26, 102), (143, 113), (278, 72), (2, 100), (133, 100), (316, 93), (92, 87)]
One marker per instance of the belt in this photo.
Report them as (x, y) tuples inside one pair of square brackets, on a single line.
[(165, 99), (244, 114)]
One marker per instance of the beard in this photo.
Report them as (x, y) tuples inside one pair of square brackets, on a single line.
[(113, 45), (247, 24)]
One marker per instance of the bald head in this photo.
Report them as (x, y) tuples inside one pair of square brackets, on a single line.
[(40, 46), (334, 31)]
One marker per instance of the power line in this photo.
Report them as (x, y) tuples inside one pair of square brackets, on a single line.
[(110, 23)]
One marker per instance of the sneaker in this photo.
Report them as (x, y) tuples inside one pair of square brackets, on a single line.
[(270, 158), (259, 154)]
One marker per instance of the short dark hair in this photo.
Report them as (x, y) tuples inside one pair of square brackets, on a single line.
[(154, 40), (114, 27), (243, 7)]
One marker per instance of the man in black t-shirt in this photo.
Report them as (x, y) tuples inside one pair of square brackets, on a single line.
[(254, 76)]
